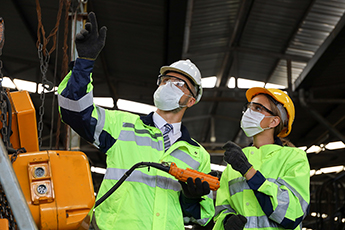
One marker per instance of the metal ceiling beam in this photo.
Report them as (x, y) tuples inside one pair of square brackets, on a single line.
[(324, 135), (223, 74), (290, 40), (189, 16), (319, 52), (319, 118), (253, 51)]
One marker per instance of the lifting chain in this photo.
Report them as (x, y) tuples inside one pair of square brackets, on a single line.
[(5, 210), (46, 85), (3, 107)]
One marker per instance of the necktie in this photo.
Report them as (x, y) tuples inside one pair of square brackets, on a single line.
[(168, 128)]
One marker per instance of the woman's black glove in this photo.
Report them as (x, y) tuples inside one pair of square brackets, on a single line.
[(235, 222), (236, 158)]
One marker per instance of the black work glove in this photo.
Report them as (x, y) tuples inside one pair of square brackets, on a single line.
[(195, 190), (89, 42), (235, 222), (236, 158)]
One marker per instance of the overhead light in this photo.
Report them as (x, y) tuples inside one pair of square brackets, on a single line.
[(334, 169), (104, 101), (216, 167), (314, 149), (25, 85), (246, 83), (135, 107), (208, 82), (232, 83), (98, 170), (303, 148), (312, 172), (8, 83), (335, 145), (270, 85)]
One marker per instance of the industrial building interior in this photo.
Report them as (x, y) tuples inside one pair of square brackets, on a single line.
[(297, 46)]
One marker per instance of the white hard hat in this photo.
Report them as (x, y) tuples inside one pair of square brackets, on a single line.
[(188, 69)]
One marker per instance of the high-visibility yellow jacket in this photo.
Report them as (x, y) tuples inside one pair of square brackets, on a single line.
[(277, 197), (148, 199)]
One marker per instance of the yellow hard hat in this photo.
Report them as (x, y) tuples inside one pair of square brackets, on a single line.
[(280, 97)]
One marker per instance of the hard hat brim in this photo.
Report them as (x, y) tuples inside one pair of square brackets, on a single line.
[(165, 69), (257, 90)]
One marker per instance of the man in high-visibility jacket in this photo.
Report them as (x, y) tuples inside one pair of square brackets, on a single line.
[(147, 199)]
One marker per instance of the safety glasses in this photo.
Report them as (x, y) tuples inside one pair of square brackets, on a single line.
[(175, 80), (257, 107)]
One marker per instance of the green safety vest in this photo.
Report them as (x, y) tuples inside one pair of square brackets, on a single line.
[(277, 197), (147, 199)]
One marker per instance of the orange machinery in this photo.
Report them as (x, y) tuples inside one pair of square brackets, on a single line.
[(57, 185)]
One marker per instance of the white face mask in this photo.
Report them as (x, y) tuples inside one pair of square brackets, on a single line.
[(250, 122), (167, 97)]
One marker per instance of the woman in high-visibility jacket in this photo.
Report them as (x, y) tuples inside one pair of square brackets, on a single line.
[(266, 185)]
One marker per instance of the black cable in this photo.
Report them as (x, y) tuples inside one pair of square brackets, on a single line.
[(126, 175)]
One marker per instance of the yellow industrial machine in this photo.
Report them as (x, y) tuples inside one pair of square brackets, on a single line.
[(56, 185)]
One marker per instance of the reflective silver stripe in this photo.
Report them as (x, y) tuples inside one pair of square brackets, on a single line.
[(239, 184), (141, 131), (138, 176), (304, 204), (283, 204), (100, 124), (260, 222), (127, 135), (202, 221), (186, 158), (220, 208), (210, 195), (76, 106)]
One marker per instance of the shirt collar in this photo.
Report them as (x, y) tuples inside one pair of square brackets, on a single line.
[(148, 120), (160, 122)]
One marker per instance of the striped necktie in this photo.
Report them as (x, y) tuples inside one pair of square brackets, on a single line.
[(168, 128)]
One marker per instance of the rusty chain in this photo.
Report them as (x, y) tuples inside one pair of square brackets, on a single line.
[(3, 108), (5, 210), (46, 85)]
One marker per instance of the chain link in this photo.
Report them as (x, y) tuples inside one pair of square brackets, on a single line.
[(46, 85), (5, 210), (3, 108)]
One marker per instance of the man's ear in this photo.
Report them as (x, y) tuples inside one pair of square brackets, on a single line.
[(191, 102), (275, 122)]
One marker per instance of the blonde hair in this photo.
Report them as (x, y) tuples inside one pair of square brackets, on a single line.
[(280, 126)]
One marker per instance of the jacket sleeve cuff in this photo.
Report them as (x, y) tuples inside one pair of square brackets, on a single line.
[(190, 207), (84, 64), (256, 181)]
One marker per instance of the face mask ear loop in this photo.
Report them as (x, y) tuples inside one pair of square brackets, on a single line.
[(270, 127), (182, 106)]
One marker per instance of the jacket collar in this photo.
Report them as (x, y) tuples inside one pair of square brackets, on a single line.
[(277, 141), (148, 120)]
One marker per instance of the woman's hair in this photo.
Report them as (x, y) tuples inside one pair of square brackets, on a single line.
[(280, 127)]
